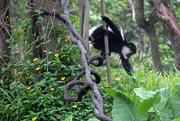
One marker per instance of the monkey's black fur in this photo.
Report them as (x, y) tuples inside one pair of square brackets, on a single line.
[(117, 43)]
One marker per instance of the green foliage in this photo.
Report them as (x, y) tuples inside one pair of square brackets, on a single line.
[(93, 119), (69, 118), (178, 119), (32, 88), (36, 88), (174, 99), (145, 102), (125, 107)]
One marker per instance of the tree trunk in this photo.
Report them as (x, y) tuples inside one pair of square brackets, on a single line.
[(5, 32), (151, 31), (46, 28), (148, 26), (84, 20), (171, 27)]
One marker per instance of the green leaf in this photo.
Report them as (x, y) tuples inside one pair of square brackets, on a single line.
[(175, 99), (93, 119), (69, 118), (178, 119), (125, 108), (111, 92), (164, 110), (145, 105), (143, 93), (164, 92)]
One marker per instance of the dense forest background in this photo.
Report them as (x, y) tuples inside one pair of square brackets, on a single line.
[(39, 57)]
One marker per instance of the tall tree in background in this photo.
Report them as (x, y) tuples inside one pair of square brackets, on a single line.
[(148, 26), (162, 11), (5, 31), (46, 27)]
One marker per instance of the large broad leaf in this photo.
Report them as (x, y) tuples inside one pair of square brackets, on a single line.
[(178, 119), (164, 92), (148, 98), (144, 94), (164, 110), (175, 100), (148, 103), (111, 92), (125, 108)]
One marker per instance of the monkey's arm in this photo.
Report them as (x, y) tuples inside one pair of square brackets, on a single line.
[(126, 65), (111, 25)]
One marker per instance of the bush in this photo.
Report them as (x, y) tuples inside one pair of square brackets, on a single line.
[(33, 89)]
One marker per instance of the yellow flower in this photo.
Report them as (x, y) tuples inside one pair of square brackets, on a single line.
[(38, 68), (33, 119), (28, 88), (7, 17), (63, 78), (117, 79), (56, 55), (52, 89), (116, 62), (74, 106), (107, 85), (62, 114), (35, 59)]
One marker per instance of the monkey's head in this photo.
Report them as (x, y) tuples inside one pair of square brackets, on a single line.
[(128, 50)]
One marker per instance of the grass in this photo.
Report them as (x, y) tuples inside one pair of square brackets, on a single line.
[(148, 79)]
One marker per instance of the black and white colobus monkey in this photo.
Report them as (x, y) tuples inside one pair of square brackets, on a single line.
[(117, 43)]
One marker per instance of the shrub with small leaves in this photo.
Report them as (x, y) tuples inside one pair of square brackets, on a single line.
[(32, 88)]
